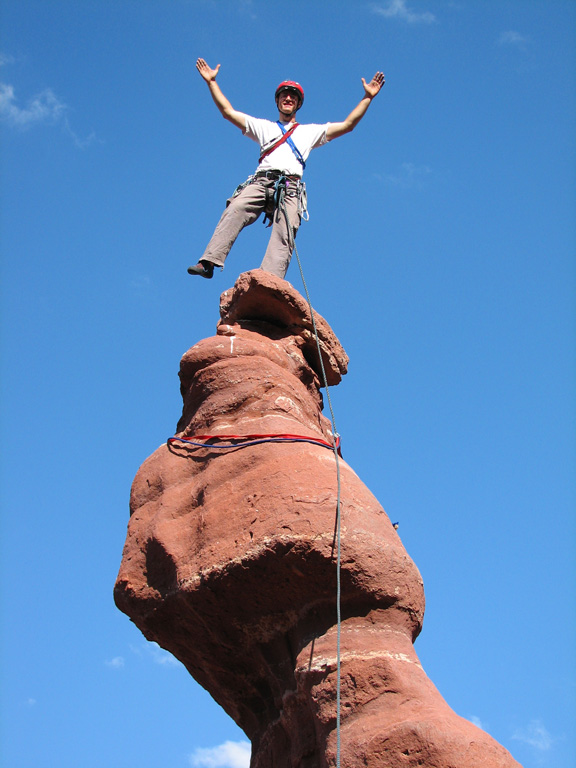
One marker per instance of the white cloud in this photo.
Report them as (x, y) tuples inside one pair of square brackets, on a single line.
[(409, 176), (511, 37), (231, 754), (397, 9), (162, 657), (477, 722), (45, 107), (116, 663), (158, 655), (535, 735), (80, 143)]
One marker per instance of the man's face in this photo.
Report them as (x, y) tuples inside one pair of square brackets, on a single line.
[(288, 102)]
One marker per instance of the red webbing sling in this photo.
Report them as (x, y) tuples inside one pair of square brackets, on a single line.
[(280, 141)]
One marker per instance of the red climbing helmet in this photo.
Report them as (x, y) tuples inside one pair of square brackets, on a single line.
[(290, 85)]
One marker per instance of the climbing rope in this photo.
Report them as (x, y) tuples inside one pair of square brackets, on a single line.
[(279, 195), (224, 442)]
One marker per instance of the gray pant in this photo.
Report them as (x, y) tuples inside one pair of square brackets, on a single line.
[(243, 209)]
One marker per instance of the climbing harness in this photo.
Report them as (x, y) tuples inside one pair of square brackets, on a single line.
[(281, 187), (291, 185), (335, 437), (270, 205)]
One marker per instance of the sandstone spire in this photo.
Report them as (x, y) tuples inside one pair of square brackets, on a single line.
[(229, 561)]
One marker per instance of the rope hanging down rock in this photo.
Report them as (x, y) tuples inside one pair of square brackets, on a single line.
[(279, 195)]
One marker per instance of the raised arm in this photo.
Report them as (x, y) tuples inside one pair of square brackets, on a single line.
[(226, 109), (371, 89)]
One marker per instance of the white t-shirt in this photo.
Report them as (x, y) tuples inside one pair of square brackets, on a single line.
[(305, 137)]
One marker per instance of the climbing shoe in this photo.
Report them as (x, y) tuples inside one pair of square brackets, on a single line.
[(203, 268)]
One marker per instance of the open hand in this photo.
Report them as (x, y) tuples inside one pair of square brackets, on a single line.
[(373, 87), (207, 73)]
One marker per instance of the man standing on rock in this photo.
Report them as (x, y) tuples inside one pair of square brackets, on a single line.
[(284, 148)]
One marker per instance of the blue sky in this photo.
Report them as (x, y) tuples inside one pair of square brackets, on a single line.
[(440, 247)]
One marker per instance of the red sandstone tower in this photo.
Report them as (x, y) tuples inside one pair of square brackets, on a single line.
[(230, 563)]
